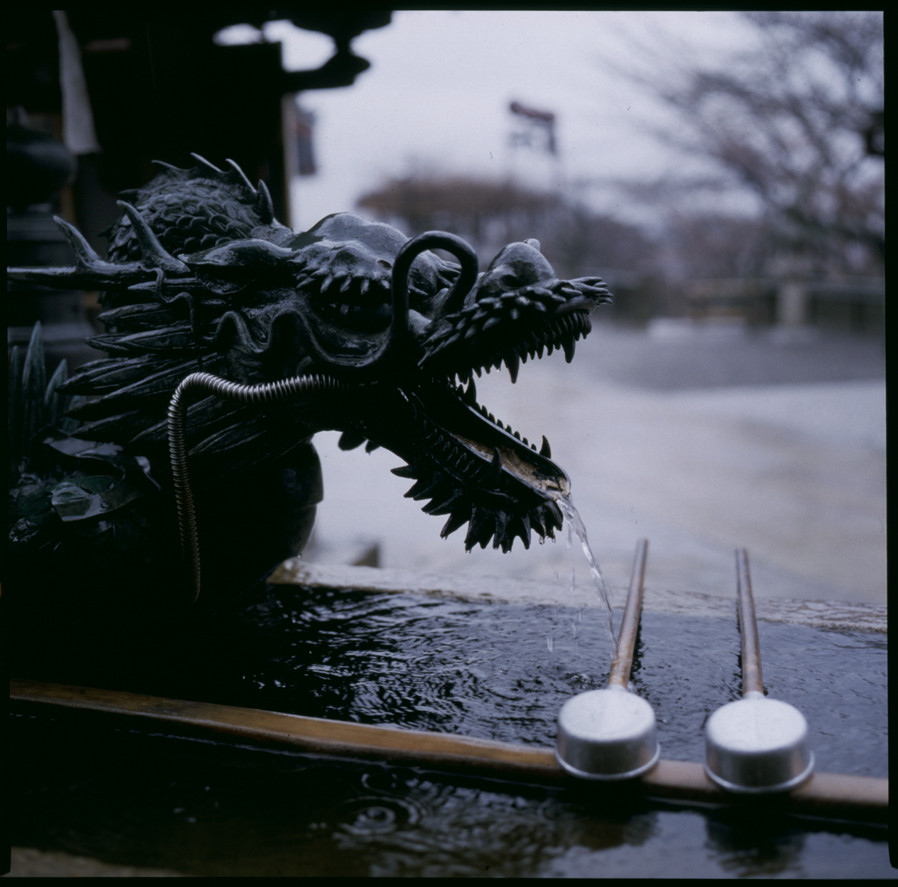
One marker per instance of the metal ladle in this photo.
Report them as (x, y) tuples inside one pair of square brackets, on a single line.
[(755, 745), (610, 734)]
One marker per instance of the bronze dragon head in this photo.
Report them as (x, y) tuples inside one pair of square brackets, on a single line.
[(201, 278)]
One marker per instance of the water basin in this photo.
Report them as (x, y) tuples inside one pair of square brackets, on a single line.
[(437, 663)]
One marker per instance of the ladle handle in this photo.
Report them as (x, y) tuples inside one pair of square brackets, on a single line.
[(629, 627), (752, 681)]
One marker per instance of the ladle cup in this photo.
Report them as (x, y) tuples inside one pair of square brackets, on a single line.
[(755, 745), (610, 734)]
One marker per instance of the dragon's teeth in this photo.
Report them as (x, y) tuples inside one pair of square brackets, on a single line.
[(513, 362), (455, 521)]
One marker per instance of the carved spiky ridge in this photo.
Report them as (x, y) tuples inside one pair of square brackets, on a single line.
[(193, 209), (521, 309), (482, 332)]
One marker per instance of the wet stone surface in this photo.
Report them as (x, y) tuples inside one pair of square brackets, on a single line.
[(493, 670), (501, 671), (498, 671)]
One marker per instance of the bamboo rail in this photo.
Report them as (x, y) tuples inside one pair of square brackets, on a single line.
[(828, 795)]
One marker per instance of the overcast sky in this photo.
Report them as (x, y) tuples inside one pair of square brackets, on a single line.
[(440, 83)]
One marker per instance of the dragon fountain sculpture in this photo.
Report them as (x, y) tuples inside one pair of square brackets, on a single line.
[(230, 340)]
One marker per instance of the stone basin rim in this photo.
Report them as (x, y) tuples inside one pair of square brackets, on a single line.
[(833, 615)]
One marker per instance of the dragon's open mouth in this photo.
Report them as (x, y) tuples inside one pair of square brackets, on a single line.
[(468, 465)]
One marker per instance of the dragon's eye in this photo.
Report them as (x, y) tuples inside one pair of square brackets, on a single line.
[(509, 280)]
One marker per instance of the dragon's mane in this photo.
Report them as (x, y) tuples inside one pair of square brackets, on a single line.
[(154, 338)]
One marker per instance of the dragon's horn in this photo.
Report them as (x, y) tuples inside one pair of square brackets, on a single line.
[(246, 182), (89, 269), (86, 257), (203, 162), (150, 246), (263, 203)]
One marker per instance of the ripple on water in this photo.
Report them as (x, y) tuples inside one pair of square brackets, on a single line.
[(485, 669)]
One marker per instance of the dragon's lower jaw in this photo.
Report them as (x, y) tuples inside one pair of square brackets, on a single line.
[(499, 501), (467, 465), (491, 515)]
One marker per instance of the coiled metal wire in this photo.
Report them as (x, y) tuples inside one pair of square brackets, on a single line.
[(268, 392)]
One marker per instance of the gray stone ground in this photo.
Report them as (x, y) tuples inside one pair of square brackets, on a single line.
[(701, 438)]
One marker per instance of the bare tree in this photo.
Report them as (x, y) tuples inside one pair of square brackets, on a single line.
[(486, 212), (795, 121), (490, 213)]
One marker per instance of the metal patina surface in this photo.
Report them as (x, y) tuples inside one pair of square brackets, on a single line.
[(202, 284)]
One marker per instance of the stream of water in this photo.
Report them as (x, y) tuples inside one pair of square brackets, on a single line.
[(577, 528)]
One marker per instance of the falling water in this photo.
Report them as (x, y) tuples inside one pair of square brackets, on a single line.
[(578, 528)]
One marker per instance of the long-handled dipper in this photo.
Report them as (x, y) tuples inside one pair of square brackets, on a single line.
[(611, 733), (755, 745)]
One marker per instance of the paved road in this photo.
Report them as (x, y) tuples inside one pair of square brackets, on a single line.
[(699, 439)]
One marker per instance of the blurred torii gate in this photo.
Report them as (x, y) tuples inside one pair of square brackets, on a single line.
[(538, 128)]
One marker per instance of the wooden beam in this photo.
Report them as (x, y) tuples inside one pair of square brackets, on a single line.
[(828, 795)]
